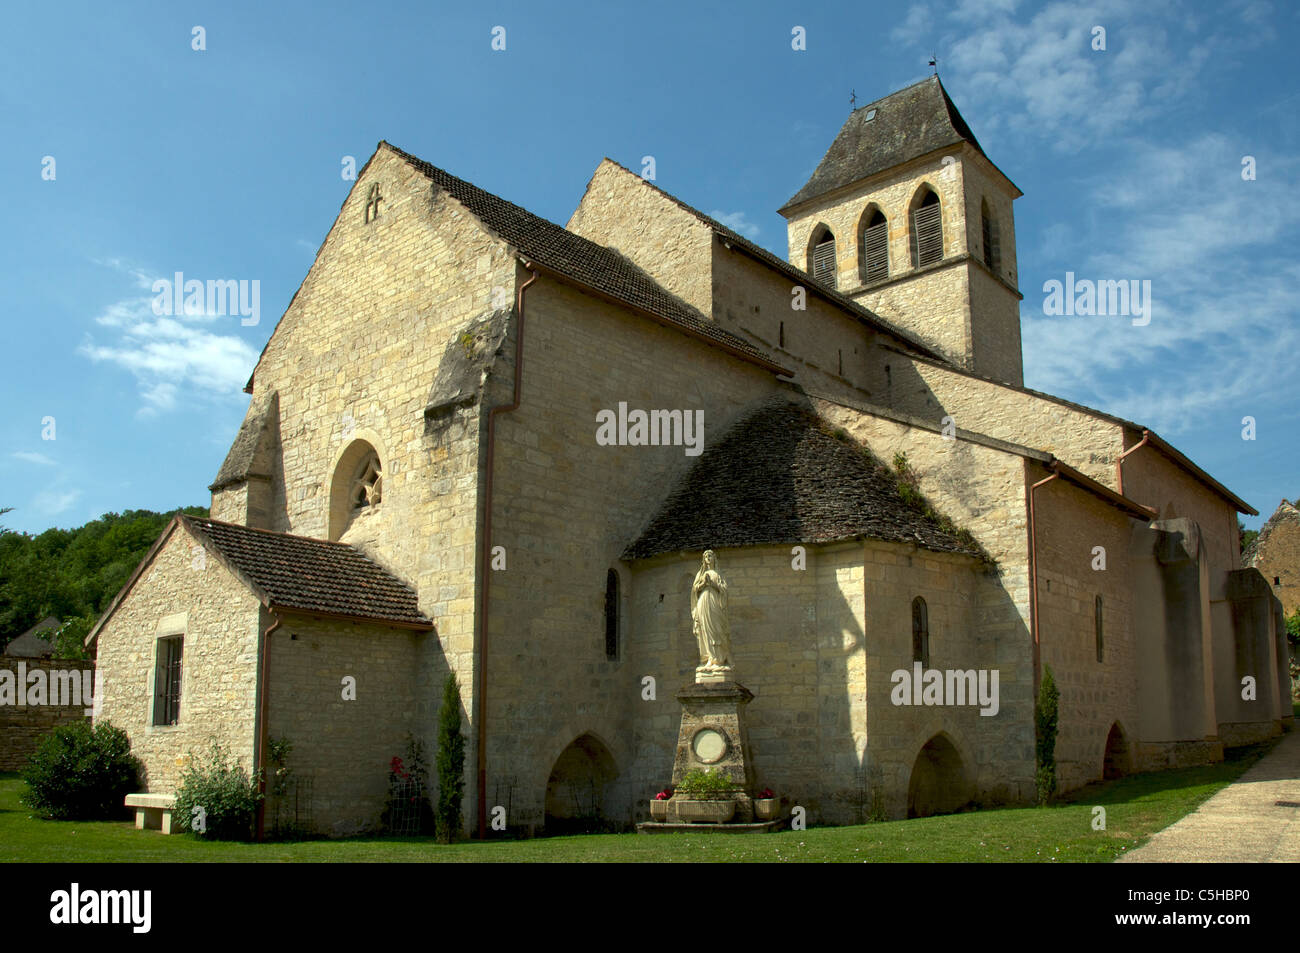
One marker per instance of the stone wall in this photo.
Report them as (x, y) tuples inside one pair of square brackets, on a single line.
[(564, 510), (1095, 694), (184, 591), (23, 726), (345, 744)]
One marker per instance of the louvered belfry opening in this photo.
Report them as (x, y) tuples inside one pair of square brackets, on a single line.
[(823, 258), (875, 248), (927, 232), (990, 237)]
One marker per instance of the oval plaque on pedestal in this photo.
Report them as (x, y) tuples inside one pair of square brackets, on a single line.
[(710, 745)]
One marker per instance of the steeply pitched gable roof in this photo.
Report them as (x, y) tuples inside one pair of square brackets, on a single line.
[(310, 575), (903, 126), (781, 476), (581, 259), (793, 272)]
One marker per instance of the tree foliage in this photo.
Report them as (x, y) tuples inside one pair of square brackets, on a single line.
[(1045, 719), (450, 762), (73, 574)]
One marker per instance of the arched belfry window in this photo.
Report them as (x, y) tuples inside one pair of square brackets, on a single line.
[(873, 245), (611, 615), (1101, 650), (821, 256), (989, 236), (920, 632), (927, 230)]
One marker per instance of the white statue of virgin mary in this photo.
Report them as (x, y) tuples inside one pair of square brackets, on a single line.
[(709, 615)]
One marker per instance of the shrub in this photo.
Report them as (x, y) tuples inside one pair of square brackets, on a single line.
[(82, 773), (217, 800), (450, 763), (1045, 715), (700, 785)]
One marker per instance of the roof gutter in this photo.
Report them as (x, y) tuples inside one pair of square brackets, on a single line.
[(485, 551)]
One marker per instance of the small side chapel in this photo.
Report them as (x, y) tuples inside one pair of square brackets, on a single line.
[(418, 489)]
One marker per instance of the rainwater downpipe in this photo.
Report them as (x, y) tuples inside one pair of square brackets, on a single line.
[(1033, 571), (485, 552), (1119, 461), (263, 732)]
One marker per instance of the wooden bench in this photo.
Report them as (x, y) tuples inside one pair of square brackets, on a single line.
[(153, 812)]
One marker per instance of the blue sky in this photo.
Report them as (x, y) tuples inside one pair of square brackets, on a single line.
[(225, 163)]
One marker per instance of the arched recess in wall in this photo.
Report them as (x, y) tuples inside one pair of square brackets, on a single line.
[(989, 237), (822, 255), (577, 787), (1116, 761), (939, 783), (873, 244), (356, 482), (926, 214)]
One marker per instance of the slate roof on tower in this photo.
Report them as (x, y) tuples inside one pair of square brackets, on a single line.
[(905, 125), (782, 476)]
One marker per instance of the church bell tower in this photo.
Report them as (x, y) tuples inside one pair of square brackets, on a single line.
[(907, 216)]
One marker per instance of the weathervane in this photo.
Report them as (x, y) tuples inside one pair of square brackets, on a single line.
[(934, 61), (853, 98)]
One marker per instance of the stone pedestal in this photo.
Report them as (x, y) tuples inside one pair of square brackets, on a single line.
[(713, 738)]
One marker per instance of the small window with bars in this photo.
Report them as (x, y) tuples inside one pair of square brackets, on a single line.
[(875, 248), (167, 681), (927, 232), (920, 632), (823, 259), (611, 615)]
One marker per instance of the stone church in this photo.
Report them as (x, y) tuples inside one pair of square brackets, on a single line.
[(478, 442)]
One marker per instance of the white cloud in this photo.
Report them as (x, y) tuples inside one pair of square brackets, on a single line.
[(30, 456), (737, 222), (170, 356), (54, 502)]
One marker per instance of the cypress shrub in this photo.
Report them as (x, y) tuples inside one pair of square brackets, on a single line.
[(1045, 717), (450, 763)]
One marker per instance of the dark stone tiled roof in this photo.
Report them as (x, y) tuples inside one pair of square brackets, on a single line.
[(310, 575), (781, 476), (578, 258), (907, 124)]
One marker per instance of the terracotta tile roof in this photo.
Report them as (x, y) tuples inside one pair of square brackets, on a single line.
[(782, 476), (310, 575), (903, 126), (578, 258)]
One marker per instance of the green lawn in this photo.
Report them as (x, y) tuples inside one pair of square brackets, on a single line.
[(1136, 807)]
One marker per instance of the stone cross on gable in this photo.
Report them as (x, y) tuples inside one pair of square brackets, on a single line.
[(373, 198)]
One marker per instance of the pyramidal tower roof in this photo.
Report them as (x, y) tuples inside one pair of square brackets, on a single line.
[(903, 126)]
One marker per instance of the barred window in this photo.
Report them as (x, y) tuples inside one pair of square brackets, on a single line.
[(167, 681), (920, 632)]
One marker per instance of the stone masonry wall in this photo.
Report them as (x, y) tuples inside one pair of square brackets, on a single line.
[(23, 726), (565, 509), (185, 590), (345, 745)]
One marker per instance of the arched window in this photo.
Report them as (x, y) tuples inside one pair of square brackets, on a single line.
[(1100, 646), (874, 245), (927, 230), (989, 234), (356, 486), (821, 256), (611, 615), (920, 632)]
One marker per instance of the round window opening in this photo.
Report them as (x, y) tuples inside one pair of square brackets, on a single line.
[(367, 485)]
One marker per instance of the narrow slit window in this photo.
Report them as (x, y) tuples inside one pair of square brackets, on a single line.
[(611, 615), (920, 632)]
